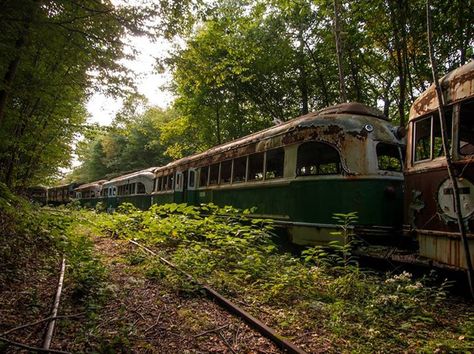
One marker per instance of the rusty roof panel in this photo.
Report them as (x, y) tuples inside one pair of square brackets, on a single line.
[(347, 118), (456, 85)]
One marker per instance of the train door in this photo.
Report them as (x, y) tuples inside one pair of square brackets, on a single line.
[(190, 193), (179, 188)]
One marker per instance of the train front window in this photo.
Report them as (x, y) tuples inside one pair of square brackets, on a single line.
[(466, 129), (423, 139), (317, 159), (388, 157), (140, 188), (256, 167), (274, 163)]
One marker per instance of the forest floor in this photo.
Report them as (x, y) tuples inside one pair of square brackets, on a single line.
[(117, 299)]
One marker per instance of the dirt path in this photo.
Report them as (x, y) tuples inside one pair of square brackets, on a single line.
[(144, 316)]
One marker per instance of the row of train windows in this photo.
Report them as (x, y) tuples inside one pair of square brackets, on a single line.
[(428, 138), (126, 189), (313, 158)]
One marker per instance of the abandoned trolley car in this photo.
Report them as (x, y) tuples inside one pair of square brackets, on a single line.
[(345, 158), (430, 215)]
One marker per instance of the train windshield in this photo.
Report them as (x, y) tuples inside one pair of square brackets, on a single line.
[(428, 137), (389, 157), (466, 129)]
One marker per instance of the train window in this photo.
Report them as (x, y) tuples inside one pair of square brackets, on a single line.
[(438, 150), (274, 163), (203, 174), (133, 188), (214, 174), (240, 169), (140, 188), (423, 139), (388, 157), (255, 167), (192, 178), (170, 182), (317, 159), (466, 129), (226, 171)]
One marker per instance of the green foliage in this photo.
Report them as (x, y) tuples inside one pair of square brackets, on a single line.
[(234, 253)]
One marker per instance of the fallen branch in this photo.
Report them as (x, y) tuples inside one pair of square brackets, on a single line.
[(215, 330), (32, 349), (41, 321)]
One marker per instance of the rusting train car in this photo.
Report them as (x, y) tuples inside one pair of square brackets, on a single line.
[(299, 173), (430, 214)]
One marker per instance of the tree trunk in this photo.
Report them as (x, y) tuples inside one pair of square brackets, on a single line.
[(303, 76), (337, 36)]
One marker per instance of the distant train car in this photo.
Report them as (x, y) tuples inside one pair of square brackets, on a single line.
[(62, 194), (430, 213), (135, 188), (89, 194), (345, 158), (38, 194)]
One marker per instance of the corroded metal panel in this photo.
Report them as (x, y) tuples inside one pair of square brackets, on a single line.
[(456, 85), (444, 249), (351, 127)]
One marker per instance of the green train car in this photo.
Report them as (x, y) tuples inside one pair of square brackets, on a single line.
[(134, 188), (344, 158)]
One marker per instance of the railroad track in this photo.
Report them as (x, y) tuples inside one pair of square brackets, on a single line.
[(50, 322), (229, 306)]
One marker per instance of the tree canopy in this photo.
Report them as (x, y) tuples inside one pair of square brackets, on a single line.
[(242, 66)]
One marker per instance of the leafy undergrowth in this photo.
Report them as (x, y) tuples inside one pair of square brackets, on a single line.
[(320, 300), (33, 241)]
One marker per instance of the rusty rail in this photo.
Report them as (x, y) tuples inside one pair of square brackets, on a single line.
[(231, 307)]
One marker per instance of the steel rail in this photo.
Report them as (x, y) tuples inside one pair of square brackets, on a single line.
[(49, 332), (231, 307)]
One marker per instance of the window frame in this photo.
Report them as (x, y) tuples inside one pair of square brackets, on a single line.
[(298, 174)]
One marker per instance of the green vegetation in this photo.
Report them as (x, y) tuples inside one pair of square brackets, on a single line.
[(321, 292)]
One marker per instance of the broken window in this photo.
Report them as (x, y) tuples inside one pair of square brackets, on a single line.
[(428, 140), (203, 173), (466, 129), (255, 167), (274, 163), (240, 169), (170, 182), (388, 157), (423, 139), (316, 158), (438, 150), (226, 171), (214, 174)]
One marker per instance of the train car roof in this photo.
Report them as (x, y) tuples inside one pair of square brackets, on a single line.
[(130, 177), (90, 185), (350, 112), (456, 85)]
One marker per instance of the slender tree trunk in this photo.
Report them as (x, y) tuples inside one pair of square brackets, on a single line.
[(447, 153), (337, 36), (218, 124), (394, 17), (322, 82), (303, 76)]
